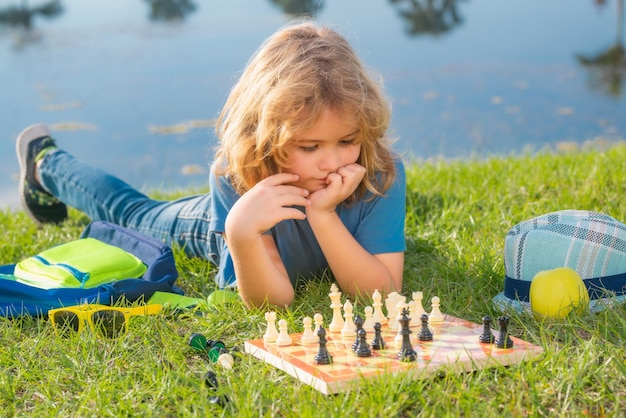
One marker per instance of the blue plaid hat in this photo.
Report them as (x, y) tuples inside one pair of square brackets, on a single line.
[(591, 243)]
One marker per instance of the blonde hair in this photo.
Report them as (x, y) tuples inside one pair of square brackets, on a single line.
[(294, 75)]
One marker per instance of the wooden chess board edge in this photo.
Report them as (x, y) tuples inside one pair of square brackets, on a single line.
[(287, 367), (319, 378), (512, 357)]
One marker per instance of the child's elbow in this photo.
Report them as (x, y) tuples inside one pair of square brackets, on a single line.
[(279, 300)]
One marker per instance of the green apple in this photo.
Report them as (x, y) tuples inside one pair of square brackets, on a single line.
[(557, 292)]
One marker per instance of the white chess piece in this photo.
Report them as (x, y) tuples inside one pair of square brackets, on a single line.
[(349, 329), (308, 337), (379, 315), (283, 335), (226, 360), (414, 321), (368, 323), (336, 324), (318, 319), (391, 303), (418, 310), (435, 314), (271, 333)]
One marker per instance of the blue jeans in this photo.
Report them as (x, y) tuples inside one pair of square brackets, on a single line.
[(183, 222)]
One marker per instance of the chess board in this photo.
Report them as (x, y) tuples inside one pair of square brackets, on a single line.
[(455, 347)]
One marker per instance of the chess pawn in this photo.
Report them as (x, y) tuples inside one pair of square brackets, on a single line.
[(487, 336), (283, 335), (435, 314), (378, 343), (272, 332), (226, 360), (425, 334), (349, 329), (379, 315), (308, 337), (368, 324), (323, 356), (362, 348), (318, 319)]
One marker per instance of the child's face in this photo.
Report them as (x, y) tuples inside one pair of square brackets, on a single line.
[(316, 152)]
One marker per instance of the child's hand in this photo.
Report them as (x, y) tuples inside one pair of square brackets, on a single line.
[(266, 204), (340, 185)]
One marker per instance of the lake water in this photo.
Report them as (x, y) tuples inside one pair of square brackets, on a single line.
[(133, 86)]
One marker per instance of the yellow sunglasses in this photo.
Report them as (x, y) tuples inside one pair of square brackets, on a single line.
[(108, 321)]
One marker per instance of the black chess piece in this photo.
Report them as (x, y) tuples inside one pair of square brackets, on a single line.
[(323, 356), (378, 343), (503, 340), (363, 348), (358, 322), (407, 353), (210, 380), (487, 336), (212, 348), (425, 334)]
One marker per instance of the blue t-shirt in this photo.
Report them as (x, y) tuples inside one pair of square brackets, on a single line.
[(377, 224)]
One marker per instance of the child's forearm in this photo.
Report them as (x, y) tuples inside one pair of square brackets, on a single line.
[(260, 279), (356, 270)]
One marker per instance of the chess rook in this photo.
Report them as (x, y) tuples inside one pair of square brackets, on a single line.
[(503, 340)]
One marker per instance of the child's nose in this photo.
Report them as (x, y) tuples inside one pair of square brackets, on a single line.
[(331, 161)]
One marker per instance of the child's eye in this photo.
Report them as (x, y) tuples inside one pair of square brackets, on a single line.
[(348, 141), (309, 148)]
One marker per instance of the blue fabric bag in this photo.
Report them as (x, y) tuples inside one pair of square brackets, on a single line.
[(17, 299)]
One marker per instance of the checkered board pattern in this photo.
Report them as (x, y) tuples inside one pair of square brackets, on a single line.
[(455, 347)]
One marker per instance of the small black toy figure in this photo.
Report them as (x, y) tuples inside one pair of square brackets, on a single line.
[(487, 336), (323, 356), (358, 321), (378, 343), (363, 348), (212, 348), (425, 334), (503, 340), (210, 380), (407, 353)]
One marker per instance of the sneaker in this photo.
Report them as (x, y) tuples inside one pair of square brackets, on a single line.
[(32, 144)]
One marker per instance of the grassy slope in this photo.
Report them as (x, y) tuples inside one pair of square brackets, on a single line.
[(458, 215)]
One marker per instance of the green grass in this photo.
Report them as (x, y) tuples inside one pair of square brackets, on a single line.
[(458, 216)]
